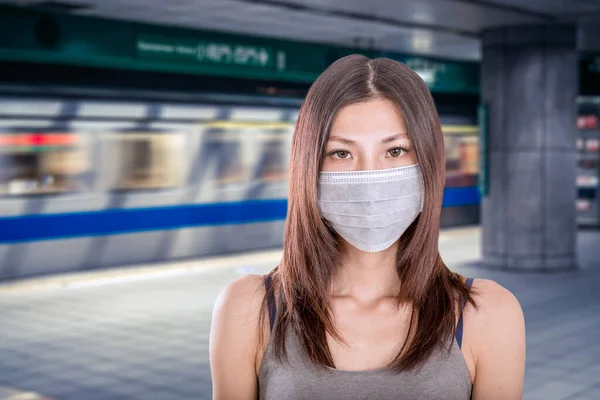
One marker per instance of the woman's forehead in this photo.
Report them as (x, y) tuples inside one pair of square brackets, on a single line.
[(371, 118)]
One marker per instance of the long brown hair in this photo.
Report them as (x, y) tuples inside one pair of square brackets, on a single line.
[(302, 280)]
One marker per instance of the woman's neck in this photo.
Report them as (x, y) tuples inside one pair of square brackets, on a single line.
[(366, 276)]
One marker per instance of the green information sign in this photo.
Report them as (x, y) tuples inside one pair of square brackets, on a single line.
[(102, 43), (206, 52), (484, 167), (444, 76)]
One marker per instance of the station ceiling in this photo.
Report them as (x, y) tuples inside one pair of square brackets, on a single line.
[(445, 28)]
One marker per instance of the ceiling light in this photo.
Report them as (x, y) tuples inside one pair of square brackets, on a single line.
[(422, 17), (421, 43)]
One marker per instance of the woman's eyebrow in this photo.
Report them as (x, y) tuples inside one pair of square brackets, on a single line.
[(398, 136), (341, 139)]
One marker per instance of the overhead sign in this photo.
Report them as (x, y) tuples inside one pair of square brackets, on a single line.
[(426, 69), (207, 52), (179, 50), (443, 75)]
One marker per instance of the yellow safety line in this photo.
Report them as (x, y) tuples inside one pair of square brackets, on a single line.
[(463, 129), (248, 124)]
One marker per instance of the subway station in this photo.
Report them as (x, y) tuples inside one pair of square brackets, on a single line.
[(145, 152)]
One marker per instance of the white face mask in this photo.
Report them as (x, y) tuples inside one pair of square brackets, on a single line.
[(371, 209)]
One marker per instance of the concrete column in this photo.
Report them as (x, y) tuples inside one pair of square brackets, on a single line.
[(530, 84)]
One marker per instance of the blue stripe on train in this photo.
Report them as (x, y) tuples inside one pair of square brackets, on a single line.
[(29, 228), (461, 196)]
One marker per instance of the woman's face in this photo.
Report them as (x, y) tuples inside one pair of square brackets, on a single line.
[(367, 136)]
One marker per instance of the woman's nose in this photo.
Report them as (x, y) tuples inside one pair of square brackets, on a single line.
[(368, 163)]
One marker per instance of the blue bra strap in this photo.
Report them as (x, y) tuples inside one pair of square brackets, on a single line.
[(459, 327), (271, 306)]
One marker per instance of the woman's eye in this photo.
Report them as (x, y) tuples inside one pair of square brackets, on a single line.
[(395, 152), (342, 154)]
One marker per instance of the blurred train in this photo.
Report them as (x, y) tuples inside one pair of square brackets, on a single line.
[(91, 181)]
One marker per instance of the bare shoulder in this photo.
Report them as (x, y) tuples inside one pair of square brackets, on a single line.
[(495, 302), (496, 331), (241, 298), (234, 336), (497, 322)]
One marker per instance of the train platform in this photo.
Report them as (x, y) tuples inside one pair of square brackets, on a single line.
[(142, 333)]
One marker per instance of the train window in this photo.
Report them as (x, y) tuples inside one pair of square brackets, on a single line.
[(462, 158), (149, 160), (256, 114), (247, 151), (102, 109), (12, 107), (43, 163), (229, 158), (273, 164)]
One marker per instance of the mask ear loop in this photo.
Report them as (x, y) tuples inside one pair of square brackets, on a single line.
[(329, 227), (422, 181), (327, 224)]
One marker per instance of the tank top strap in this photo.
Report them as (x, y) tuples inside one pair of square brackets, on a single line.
[(459, 327), (271, 305)]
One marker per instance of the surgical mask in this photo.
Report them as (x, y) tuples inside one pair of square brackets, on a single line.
[(371, 209)]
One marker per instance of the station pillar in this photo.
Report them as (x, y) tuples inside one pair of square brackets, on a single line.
[(529, 87)]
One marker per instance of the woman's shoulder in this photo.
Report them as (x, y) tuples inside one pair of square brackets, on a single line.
[(234, 334), (234, 337), (497, 319), (494, 300), (241, 298)]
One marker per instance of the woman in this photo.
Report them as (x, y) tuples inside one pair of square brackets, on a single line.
[(361, 305)]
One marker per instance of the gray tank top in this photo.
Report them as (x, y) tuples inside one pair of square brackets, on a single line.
[(443, 376)]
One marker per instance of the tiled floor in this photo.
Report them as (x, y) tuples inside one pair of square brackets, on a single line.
[(133, 338)]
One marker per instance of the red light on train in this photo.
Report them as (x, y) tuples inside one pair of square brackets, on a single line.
[(38, 139)]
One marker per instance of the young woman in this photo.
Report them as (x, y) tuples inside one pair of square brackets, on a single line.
[(361, 305)]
